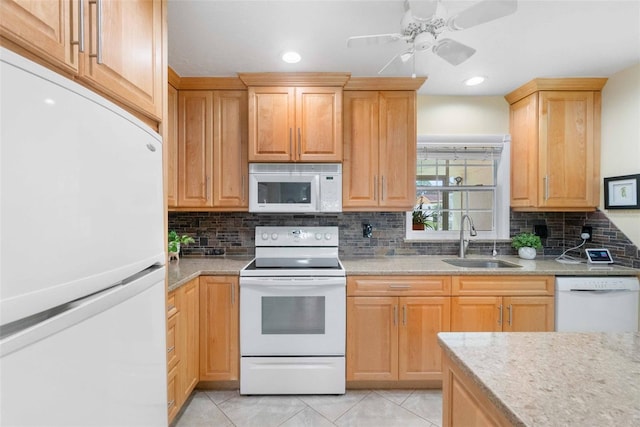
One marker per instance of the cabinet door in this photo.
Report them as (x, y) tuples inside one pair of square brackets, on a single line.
[(372, 338), (123, 56), (397, 154), (195, 140), (44, 28), (360, 162), (230, 166), (219, 344), (171, 147), (172, 393), (567, 155), (271, 123), (528, 314), (188, 336), (420, 357), (318, 124), (523, 124), (476, 314)]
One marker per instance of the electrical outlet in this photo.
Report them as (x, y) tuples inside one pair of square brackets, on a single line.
[(541, 231), (367, 229), (586, 233)]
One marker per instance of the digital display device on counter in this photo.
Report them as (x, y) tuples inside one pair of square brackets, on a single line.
[(599, 256)]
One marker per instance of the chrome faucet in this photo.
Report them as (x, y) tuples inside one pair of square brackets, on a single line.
[(472, 232)]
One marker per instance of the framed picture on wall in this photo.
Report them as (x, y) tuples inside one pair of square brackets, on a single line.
[(622, 192)]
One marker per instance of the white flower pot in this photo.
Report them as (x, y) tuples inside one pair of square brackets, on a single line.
[(527, 253)]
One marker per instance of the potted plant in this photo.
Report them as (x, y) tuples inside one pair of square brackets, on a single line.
[(175, 240), (422, 219), (526, 244)]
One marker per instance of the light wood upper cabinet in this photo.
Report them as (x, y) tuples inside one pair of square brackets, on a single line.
[(230, 165), (47, 29), (171, 147), (195, 146), (219, 324), (379, 162), (555, 145), (295, 124), (122, 40)]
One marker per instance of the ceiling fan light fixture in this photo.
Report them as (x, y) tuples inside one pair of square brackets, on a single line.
[(291, 57), (475, 80)]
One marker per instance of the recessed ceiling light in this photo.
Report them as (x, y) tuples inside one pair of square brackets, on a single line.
[(473, 81), (291, 57)]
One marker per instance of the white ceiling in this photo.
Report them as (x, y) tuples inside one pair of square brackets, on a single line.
[(570, 38)]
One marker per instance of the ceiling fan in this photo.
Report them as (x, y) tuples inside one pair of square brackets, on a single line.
[(425, 21)]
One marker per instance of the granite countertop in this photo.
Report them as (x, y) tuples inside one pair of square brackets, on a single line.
[(553, 378), (180, 272)]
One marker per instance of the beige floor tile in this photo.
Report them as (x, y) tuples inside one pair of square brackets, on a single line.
[(396, 396), (375, 410), (307, 418), (427, 404), (202, 412), (261, 411), (332, 407), (219, 396)]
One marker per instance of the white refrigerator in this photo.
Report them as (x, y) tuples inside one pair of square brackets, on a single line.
[(82, 294)]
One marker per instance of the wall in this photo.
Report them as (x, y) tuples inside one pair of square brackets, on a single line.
[(621, 141), (234, 232)]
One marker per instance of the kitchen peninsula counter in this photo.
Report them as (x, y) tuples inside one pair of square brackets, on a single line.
[(180, 272), (542, 379)]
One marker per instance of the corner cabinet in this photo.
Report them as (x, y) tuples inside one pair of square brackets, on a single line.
[(502, 304), (295, 117), (119, 53), (392, 326), (379, 160), (555, 144)]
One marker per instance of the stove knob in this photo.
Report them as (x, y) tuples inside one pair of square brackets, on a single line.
[(318, 236), (265, 236), (327, 236), (274, 236)]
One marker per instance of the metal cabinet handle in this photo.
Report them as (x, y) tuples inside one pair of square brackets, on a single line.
[(171, 403), (382, 190), (170, 349), (500, 314), (509, 308), (299, 144), (404, 315), (546, 187), (395, 315), (98, 54), (291, 143), (400, 286), (80, 41), (206, 187), (375, 187), (171, 307)]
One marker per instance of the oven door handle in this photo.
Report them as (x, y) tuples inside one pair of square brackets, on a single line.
[(304, 283)]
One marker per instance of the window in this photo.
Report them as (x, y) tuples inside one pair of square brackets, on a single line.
[(457, 176)]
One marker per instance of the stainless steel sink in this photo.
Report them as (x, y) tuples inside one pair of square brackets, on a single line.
[(480, 263)]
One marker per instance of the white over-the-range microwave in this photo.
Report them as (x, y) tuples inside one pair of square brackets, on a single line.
[(295, 187)]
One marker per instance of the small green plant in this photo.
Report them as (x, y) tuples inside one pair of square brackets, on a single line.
[(175, 240), (526, 240)]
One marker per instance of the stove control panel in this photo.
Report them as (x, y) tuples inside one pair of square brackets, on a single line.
[(296, 236)]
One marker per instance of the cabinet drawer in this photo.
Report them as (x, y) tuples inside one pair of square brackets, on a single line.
[(172, 353), (398, 285), (172, 308), (502, 285)]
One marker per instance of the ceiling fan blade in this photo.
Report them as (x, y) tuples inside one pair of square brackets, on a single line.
[(422, 9), (455, 53), (400, 58), (481, 12), (360, 41)]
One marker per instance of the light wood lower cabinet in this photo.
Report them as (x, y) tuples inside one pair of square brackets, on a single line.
[(182, 345), (502, 304), (219, 321), (392, 337)]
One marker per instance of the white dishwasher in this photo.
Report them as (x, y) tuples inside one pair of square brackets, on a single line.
[(597, 304)]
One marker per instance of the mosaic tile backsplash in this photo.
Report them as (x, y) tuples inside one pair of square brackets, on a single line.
[(233, 234)]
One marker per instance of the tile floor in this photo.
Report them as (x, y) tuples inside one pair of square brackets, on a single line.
[(379, 408)]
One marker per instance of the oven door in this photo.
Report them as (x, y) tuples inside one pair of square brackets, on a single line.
[(300, 316), (287, 193)]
